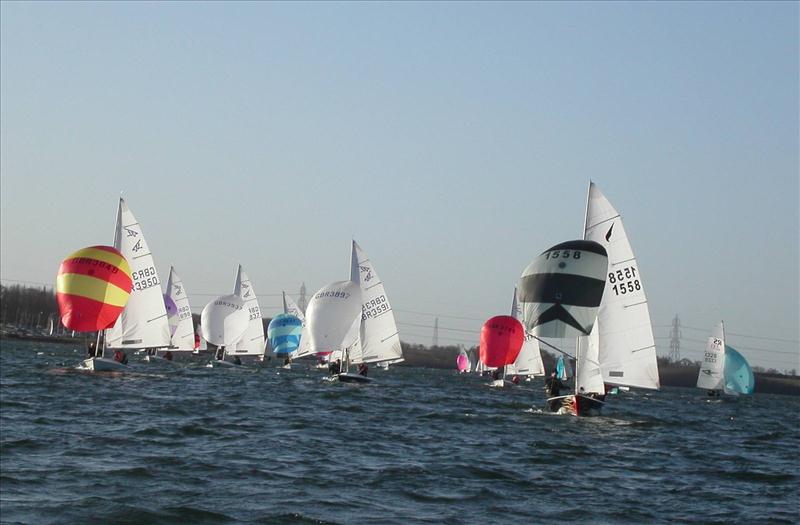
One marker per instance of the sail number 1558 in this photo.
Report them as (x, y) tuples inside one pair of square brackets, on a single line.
[(624, 281)]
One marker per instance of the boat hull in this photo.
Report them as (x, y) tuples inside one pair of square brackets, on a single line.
[(102, 364), (354, 378), (580, 405)]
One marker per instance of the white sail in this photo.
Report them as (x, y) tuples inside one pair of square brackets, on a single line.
[(203, 345), (143, 323), (290, 307), (224, 320), (252, 341), (330, 317), (588, 374), (379, 338), (183, 334), (627, 347), (712, 371), (529, 361)]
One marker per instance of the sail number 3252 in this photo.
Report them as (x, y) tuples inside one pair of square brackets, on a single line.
[(624, 281)]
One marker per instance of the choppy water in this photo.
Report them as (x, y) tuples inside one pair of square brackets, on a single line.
[(196, 445)]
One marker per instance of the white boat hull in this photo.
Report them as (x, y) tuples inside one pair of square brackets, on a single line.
[(102, 364)]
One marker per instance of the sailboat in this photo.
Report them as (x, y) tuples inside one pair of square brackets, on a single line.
[(502, 337), (223, 323), (333, 321), (283, 334), (724, 370), (462, 362), (92, 288), (143, 323), (179, 316), (353, 320), (560, 293), (378, 335), (627, 351), (252, 343), (529, 361)]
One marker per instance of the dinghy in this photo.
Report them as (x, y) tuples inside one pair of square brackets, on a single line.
[(560, 293), (252, 343), (223, 323), (501, 340), (724, 370), (378, 335), (283, 334), (179, 318), (333, 320), (529, 360), (92, 288)]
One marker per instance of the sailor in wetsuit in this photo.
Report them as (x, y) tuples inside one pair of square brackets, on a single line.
[(553, 387)]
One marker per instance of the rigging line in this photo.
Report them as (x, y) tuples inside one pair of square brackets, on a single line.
[(440, 315), (553, 347)]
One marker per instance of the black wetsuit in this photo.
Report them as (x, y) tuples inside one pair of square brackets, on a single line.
[(554, 386)]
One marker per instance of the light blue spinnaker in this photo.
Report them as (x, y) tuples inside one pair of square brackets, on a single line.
[(563, 369), (283, 333), (738, 374)]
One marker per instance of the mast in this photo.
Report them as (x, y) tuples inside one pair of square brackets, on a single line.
[(118, 246), (586, 210)]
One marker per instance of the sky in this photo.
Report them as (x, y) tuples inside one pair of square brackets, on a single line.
[(454, 141)]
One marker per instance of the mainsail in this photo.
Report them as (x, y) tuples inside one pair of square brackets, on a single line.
[(712, 371), (252, 341), (290, 307), (143, 323), (627, 347), (378, 336)]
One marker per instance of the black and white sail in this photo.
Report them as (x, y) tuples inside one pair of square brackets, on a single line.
[(561, 290)]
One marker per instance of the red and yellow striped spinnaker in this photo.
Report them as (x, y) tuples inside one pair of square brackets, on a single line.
[(92, 288)]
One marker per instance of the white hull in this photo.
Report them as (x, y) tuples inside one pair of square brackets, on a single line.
[(102, 364)]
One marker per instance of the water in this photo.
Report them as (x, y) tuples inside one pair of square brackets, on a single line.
[(198, 445)]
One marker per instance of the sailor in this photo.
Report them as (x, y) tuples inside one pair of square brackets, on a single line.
[(496, 375), (91, 351), (515, 379), (287, 361), (236, 360), (363, 369), (554, 386), (168, 355), (220, 353)]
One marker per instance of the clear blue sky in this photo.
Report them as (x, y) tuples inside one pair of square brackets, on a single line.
[(455, 141)]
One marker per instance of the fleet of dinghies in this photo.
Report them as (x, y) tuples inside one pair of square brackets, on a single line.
[(589, 290)]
